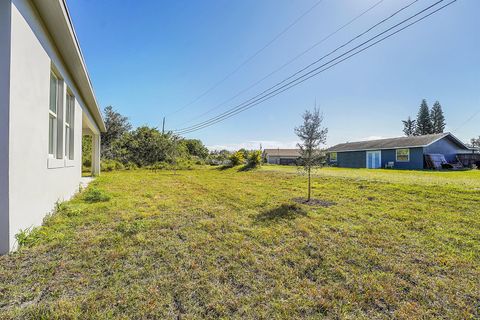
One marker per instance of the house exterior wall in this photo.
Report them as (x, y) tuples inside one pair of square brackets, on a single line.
[(34, 186), (446, 147), (353, 159), (415, 163), (358, 159), (280, 159), (5, 33), (273, 159)]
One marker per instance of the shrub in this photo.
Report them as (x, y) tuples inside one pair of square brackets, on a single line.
[(110, 165), (180, 164), (146, 146), (96, 195), (27, 237), (254, 159), (68, 209), (183, 164), (87, 151), (237, 158), (158, 166), (131, 166), (87, 163), (198, 161)]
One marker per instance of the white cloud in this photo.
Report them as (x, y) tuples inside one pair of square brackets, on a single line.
[(252, 145)]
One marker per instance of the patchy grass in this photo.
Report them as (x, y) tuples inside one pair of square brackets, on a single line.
[(95, 195), (211, 243)]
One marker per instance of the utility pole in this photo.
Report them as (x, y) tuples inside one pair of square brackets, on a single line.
[(163, 126)]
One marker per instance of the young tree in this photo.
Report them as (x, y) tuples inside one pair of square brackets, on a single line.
[(312, 135), (116, 125), (424, 122), (409, 127), (438, 120)]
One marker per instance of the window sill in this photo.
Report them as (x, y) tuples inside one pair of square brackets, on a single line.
[(53, 163), (69, 163)]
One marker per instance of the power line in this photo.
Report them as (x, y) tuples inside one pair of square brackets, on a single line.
[(311, 64), (286, 63), (292, 83), (315, 71), (466, 121), (291, 25)]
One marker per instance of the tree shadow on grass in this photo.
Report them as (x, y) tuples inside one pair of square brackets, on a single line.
[(283, 212), (224, 167), (247, 167)]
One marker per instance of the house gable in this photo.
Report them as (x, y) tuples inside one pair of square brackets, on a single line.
[(448, 146)]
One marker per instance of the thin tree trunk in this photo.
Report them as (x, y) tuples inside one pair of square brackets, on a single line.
[(309, 185)]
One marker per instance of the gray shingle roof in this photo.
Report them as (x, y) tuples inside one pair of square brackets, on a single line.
[(282, 152), (391, 143)]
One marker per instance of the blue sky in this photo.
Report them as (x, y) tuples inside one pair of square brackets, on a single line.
[(150, 58)]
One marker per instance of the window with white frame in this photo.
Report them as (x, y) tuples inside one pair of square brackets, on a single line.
[(53, 115), (403, 155), (69, 126), (333, 156), (56, 117)]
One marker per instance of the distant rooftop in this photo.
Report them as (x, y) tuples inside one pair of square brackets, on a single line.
[(282, 152)]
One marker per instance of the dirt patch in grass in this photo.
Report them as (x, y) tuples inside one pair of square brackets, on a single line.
[(314, 202)]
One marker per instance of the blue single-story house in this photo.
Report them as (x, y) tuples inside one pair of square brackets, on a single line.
[(399, 153)]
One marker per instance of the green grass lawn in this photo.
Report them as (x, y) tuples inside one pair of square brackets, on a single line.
[(212, 243)]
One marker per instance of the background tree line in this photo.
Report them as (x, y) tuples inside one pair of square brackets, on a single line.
[(143, 146), (125, 147), (427, 122)]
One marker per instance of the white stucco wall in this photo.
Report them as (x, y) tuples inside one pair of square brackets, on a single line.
[(5, 24), (34, 188)]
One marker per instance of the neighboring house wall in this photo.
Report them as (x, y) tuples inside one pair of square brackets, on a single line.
[(357, 159), (352, 159), (280, 159), (35, 186), (446, 147), (5, 33), (416, 159), (272, 159)]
